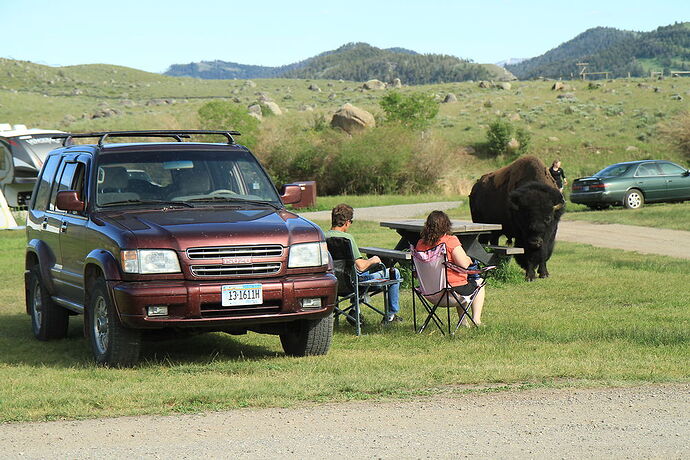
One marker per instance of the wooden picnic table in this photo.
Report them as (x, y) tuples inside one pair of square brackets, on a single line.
[(467, 232)]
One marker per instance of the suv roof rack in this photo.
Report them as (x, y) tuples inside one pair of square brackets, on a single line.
[(175, 134)]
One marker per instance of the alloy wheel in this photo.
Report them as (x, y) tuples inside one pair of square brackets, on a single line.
[(37, 306), (100, 325)]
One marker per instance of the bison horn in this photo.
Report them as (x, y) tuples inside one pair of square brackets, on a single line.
[(559, 206)]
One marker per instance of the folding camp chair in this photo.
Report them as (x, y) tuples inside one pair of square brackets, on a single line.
[(434, 291), (351, 290)]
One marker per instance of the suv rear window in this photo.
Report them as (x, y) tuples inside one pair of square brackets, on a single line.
[(181, 176)]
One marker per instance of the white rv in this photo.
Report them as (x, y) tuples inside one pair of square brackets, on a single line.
[(22, 152)]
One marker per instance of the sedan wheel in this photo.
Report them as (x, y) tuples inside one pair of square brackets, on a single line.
[(633, 199)]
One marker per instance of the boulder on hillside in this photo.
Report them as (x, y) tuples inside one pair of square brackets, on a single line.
[(314, 88), (273, 107), (450, 98), (558, 86), (485, 84), (504, 85), (250, 84), (352, 119), (374, 85), (397, 83), (255, 111)]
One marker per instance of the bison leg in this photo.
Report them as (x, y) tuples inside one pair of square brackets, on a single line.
[(529, 272), (543, 272)]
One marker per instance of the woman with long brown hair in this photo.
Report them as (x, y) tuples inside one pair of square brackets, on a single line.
[(436, 231)]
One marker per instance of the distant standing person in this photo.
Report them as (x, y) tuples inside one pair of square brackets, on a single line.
[(558, 174)]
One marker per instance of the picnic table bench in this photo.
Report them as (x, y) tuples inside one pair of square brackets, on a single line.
[(467, 232)]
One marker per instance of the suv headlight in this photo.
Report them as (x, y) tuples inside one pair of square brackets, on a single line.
[(146, 261), (308, 255)]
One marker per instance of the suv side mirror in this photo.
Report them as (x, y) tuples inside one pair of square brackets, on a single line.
[(687, 173), (292, 193), (68, 200)]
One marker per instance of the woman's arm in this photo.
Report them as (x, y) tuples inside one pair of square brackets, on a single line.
[(461, 258)]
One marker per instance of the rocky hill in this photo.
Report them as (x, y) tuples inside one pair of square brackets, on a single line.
[(618, 52), (356, 62)]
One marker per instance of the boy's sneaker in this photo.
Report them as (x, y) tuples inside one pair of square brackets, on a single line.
[(392, 319)]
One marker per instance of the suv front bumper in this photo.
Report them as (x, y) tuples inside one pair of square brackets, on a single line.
[(198, 303)]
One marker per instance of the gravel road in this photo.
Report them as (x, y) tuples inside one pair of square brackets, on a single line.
[(631, 422)]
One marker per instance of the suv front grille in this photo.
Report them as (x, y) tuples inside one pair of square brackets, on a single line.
[(272, 250), (263, 268), (211, 310)]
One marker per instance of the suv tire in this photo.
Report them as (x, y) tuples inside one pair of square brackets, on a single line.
[(48, 320), (308, 337), (112, 344)]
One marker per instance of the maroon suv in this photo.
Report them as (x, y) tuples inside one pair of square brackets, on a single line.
[(172, 235)]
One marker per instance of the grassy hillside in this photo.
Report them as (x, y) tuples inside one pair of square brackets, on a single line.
[(616, 51), (588, 129)]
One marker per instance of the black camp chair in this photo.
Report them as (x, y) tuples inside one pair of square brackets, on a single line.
[(352, 293)]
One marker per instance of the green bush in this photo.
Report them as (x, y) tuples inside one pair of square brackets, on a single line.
[(389, 159), (676, 130), (223, 115), (414, 110), (499, 135)]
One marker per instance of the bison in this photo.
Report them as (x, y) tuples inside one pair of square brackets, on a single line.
[(524, 199)]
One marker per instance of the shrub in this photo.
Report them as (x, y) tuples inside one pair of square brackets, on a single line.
[(415, 110), (677, 131), (388, 159), (499, 135), (222, 115)]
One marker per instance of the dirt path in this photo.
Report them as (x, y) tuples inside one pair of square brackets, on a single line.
[(637, 422), (646, 240)]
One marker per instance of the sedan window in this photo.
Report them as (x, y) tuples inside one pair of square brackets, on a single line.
[(647, 169), (670, 169)]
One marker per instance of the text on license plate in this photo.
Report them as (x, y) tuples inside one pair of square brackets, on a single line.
[(241, 294), (585, 188)]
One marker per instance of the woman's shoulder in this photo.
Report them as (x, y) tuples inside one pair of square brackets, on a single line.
[(450, 240)]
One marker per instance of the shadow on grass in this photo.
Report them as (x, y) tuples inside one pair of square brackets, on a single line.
[(20, 347)]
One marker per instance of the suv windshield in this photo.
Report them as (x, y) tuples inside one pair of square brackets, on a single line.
[(182, 176), (613, 170)]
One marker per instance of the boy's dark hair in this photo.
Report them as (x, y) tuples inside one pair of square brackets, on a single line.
[(341, 214)]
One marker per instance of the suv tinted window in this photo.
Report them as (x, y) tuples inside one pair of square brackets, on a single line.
[(65, 183), (45, 184)]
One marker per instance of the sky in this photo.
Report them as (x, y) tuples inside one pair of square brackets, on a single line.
[(152, 34)]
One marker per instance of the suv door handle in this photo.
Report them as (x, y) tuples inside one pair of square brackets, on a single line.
[(44, 224), (63, 227)]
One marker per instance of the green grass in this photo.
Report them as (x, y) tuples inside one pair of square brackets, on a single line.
[(674, 216), (324, 203), (604, 317)]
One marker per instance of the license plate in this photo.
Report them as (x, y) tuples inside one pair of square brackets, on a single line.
[(241, 294), (585, 188)]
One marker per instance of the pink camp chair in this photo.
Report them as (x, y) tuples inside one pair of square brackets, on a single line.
[(434, 291)]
